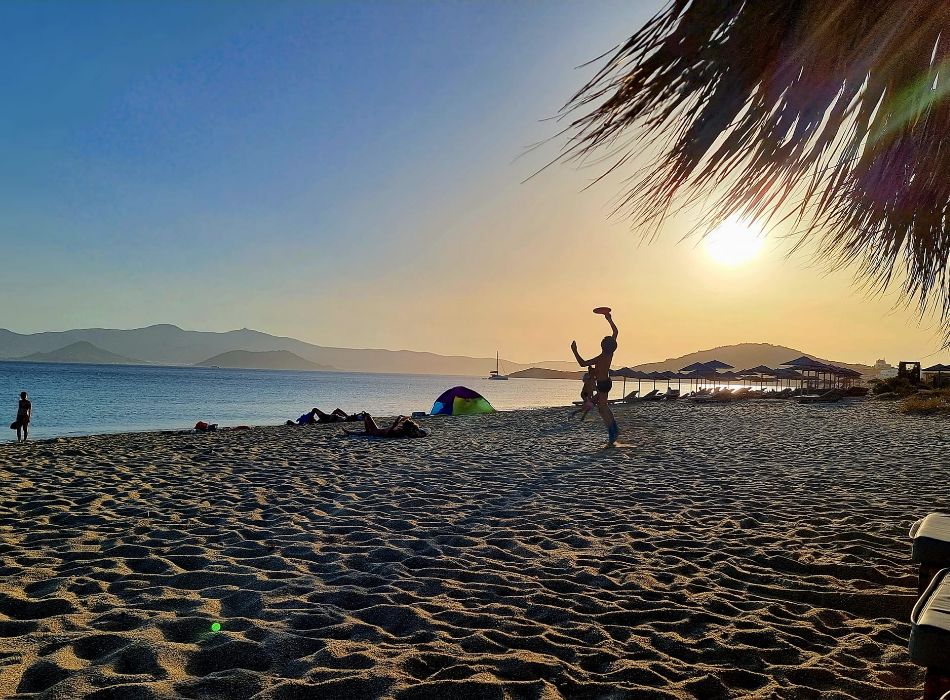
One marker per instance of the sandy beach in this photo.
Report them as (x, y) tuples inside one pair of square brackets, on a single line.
[(750, 550)]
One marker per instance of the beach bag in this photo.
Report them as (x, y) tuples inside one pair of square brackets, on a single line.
[(15, 425)]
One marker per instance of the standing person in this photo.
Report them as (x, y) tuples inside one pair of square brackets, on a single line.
[(24, 412), (601, 372)]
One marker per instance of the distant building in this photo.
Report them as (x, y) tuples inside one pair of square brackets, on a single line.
[(883, 370)]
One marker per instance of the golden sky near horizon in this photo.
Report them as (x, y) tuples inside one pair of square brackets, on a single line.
[(527, 269)]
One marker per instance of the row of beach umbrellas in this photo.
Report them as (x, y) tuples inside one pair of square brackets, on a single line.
[(717, 371)]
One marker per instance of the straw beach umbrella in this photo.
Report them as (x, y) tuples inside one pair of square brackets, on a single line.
[(938, 370), (805, 364), (788, 375), (655, 376), (835, 113), (626, 373), (695, 376), (760, 372), (728, 377), (717, 364), (670, 376)]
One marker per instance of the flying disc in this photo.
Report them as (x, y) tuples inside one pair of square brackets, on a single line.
[(602, 310)]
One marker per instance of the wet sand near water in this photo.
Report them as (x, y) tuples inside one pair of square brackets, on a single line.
[(756, 550)]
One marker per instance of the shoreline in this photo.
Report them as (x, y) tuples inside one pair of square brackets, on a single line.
[(592, 418)]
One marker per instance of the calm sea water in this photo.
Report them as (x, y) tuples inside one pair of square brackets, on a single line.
[(88, 399)]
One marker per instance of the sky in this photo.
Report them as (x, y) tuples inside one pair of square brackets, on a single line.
[(358, 174)]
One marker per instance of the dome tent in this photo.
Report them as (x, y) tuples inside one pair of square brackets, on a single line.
[(461, 401)]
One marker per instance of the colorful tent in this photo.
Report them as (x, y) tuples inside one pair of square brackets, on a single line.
[(461, 401)]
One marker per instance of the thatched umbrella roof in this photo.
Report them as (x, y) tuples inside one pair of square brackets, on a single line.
[(834, 115), (717, 364), (806, 363), (624, 372), (846, 372), (761, 369)]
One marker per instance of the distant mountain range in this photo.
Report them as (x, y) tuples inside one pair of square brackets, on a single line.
[(80, 351), (268, 359), (170, 345)]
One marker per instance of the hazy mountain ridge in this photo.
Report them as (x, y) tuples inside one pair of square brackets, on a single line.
[(79, 352), (171, 345), (267, 359)]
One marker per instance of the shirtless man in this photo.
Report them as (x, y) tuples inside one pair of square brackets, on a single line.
[(24, 413), (601, 371)]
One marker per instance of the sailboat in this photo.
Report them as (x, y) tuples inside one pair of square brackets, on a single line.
[(495, 374)]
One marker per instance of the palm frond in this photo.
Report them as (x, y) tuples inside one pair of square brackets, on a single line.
[(833, 113)]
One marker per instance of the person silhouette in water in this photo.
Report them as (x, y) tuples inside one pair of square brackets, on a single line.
[(601, 372)]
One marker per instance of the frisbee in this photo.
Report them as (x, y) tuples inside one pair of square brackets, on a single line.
[(602, 310)]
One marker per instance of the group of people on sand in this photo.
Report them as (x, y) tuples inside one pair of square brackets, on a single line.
[(315, 415), (401, 427)]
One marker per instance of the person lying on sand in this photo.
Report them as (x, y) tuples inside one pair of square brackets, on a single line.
[(308, 418), (337, 415), (601, 363), (402, 427)]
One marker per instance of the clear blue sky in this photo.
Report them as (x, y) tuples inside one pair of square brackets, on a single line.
[(342, 172)]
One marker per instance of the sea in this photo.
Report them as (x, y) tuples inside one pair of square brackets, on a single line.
[(82, 399)]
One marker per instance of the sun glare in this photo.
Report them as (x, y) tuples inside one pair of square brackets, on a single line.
[(734, 242)]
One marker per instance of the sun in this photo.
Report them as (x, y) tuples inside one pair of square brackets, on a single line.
[(734, 241)]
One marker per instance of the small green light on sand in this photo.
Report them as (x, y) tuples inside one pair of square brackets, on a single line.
[(215, 626)]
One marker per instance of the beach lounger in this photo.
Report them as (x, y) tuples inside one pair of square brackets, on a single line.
[(931, 548), (830, 396), (632, 396), (720, 396), (671, 394), (929, 643), (653, 395)]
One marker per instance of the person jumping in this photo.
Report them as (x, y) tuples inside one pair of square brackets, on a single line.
[(601, 372)]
